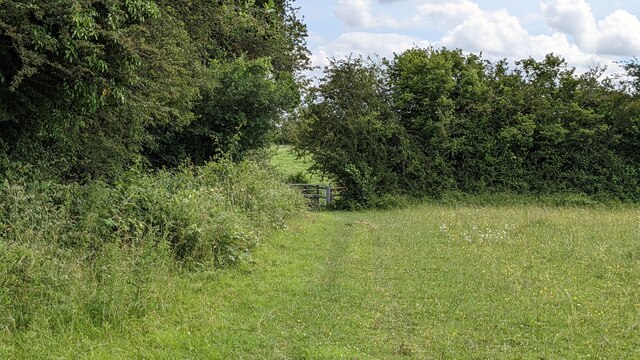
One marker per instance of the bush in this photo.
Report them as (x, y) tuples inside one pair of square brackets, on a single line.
[(437, 121), (299, 177), (353, 135), (89, 253)]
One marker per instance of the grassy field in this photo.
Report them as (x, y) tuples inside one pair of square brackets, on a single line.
[(287, 163), (428, 282)]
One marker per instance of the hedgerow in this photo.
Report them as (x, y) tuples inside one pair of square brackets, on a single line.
[(436, 121)]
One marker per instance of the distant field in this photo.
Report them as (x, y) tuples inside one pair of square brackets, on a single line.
[(428, 282), (285, 161)]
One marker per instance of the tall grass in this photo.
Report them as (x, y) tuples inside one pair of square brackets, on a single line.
[(87, 255)]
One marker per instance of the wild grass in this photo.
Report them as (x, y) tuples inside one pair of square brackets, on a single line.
[(425, 282), (108, 272), (87, 257)]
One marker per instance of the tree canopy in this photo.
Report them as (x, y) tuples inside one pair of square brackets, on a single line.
[(88, 88), (436, 120)]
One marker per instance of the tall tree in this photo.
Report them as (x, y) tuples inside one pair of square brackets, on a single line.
[(81, 80), (254, 52), (88, 87)]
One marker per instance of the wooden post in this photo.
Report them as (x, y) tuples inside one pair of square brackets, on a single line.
[(329, 195)]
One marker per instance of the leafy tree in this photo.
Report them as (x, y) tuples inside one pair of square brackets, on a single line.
[(354, 136), (465, 124), (227, 29), (90, 87), (81, 80), (239, 105), (625, 109), (253, 52), (442, 97), (574, 136)]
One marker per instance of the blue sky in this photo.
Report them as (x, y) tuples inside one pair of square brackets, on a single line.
[(585, 32)]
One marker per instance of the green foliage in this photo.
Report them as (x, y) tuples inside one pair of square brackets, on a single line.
[(573, 142), (239, 105), (253, 52), (436, 121), (442, 96), (228, 29), (353, 134), (84, 79), (632, 82), (87, 252), (298, 178), (88, 88), (47, 281)]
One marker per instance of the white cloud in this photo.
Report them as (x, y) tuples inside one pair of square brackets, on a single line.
[(616, 34), (573, 17), (619, 34), (496, 33), (448, 13), (433, 13), (364, 43), (355, 12), (499, 35), (559, 44), (579, 37)]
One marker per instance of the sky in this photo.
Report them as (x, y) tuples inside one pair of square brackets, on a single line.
[(585, 32)]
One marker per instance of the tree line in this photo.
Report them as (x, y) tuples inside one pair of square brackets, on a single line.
[(89, 88), (431, 121)]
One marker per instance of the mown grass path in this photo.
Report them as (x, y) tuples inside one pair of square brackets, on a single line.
[(429, 282)]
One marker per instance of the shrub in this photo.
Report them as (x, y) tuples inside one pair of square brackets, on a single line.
[(353, 135), (89, 253), (436, 121), (300, 177)]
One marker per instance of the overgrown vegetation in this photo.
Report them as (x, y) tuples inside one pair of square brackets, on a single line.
[(126, 134), (84, 254), (125, 126), (433, 121)]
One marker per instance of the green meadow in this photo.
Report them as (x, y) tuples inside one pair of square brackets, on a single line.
[(426, 282), (293, 167), (465, 278)]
